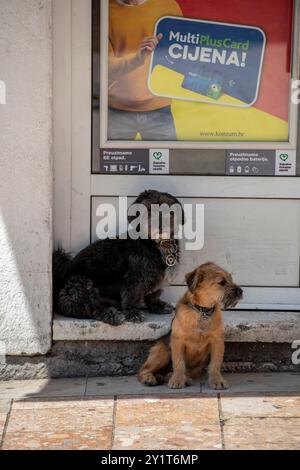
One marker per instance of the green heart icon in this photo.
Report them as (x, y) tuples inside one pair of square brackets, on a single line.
[(157, 155), (284, 157)]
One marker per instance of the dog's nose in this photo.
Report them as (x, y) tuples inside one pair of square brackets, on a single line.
[(239, 291)]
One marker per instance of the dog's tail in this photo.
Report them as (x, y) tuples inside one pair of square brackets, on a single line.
[(61, 264)]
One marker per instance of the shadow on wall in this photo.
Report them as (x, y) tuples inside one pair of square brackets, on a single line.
[(26, 177)]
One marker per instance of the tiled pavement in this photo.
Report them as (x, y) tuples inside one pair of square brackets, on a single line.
[(259, 411)]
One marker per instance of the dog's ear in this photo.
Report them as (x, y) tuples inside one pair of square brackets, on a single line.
[(144, 198), (172, 200), (193, 279), (183, 216)]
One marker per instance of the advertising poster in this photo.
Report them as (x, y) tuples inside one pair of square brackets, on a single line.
[(181, 70), (221, 64)]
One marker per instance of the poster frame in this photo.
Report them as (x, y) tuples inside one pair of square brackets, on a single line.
[(291, 144)]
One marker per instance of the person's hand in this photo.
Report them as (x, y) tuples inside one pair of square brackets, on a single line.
[(149, 45)]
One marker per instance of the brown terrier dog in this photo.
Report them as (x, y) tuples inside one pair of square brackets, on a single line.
[(197, 331)]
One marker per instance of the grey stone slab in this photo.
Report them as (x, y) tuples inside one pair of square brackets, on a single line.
[(261, 326), (15, 389), (253, 383), (63, 388), (107, 386), (69, 329), (43, 388), (240, 326)]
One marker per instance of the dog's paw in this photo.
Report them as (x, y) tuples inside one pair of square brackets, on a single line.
[(134, 315), (162, 308), (149, 379), (218, 383), (189, 381), (113, 317), (167, 309), (176, 382)]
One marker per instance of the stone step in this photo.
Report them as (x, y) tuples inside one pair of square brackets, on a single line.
[(240, 326)]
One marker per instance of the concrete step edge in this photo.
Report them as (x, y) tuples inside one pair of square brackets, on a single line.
[(240, 326)]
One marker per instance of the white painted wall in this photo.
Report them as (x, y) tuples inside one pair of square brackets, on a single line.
[(26, 176)]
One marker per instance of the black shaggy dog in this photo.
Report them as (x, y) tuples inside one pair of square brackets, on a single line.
[(115, 280)]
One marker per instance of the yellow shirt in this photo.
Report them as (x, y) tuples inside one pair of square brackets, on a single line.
[(128, 77)]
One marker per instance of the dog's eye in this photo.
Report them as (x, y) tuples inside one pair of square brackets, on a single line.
[(223, 282)]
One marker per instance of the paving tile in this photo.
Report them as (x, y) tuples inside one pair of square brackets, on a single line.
[(175, 437), (264, 406), (260, 411), (59, 440), (69, 416), (4, 410), (2, 420), (262, 434), (131, 386), (42, 388), (58, 402), (20, 388), (166, 411), (63, 388), (3, 417), (258, 383), (4, 406)]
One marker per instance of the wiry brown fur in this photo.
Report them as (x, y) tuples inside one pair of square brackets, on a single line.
[(194, 338)]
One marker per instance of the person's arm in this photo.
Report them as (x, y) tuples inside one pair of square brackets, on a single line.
[(118, 66), (177, 10)]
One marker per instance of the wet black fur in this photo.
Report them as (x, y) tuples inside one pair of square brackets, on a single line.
[(114, 280)]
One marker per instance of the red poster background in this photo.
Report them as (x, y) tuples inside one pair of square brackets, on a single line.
[(275, 18)]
